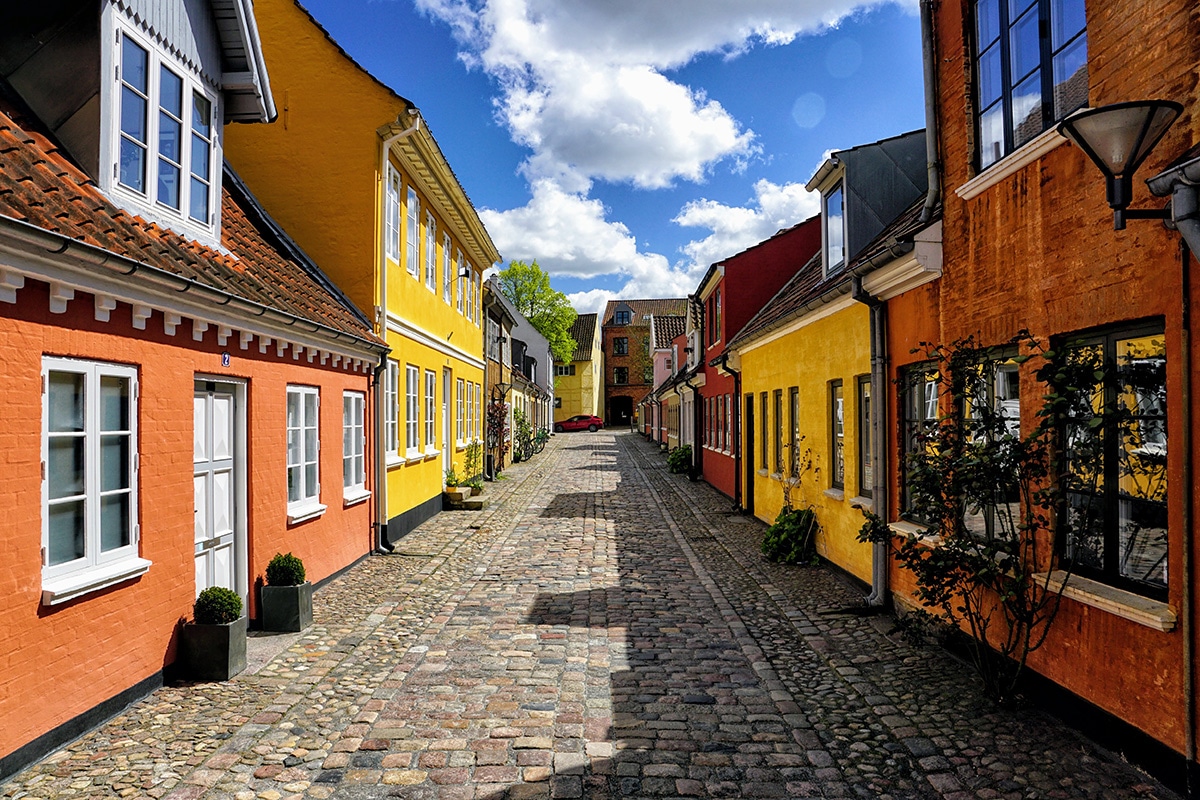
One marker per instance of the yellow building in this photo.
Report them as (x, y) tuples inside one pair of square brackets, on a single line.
[(351, 170), (579, 383)]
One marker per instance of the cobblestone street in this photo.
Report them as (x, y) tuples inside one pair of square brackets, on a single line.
[(603, 629)]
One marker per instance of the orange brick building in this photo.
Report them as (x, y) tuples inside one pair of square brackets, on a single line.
[(185, 394), (1028, 245)]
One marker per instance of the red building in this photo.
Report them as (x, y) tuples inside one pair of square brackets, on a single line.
[(185, 394), (729, 294), (628, 362), (1028, 245)]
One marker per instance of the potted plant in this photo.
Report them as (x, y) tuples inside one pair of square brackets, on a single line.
[(287, 596), (213, 645), (453, 491)]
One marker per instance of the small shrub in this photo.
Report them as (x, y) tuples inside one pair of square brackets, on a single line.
[(679, 459), (285, 570), (793, 537), (451, 478), (473, 464), (217, 605)]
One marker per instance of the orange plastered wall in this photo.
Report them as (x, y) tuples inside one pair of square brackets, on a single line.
[(57, 662)]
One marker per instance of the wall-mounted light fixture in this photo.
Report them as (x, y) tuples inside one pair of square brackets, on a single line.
[(499, 391), (1118, 138)]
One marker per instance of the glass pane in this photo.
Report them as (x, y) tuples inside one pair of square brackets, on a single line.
[(310, 444), (1027, 109), (170, 133), (1015, 7), (987, 21), (1085, 516), (133, 114), (310, 410), (310, 480), (293, 447), (1071, 78), (65, 404), (133, 64), (293, 410), (1066, 20), (65, 522), (1024, 48), (1143, 540), (64, 466), (200, 157), (835, 228), (198, 201), (991, 136), (347, 438), (114, 462), (114, 403), (201, 115), (133, 165), (168, 184), (348, 471), (991, 77), (114, 522), (170, 92), (293, 475)]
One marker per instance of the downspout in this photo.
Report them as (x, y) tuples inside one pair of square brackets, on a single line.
[(928, 59), (381, 505), (880, 502)]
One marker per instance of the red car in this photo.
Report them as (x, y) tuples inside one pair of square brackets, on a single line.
[(579, 423)]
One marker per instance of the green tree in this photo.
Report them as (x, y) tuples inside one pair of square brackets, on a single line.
[(547, 309)]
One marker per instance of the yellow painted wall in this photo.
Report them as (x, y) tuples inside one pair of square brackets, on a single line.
[(580, 392), (317, 170), (834, 347)]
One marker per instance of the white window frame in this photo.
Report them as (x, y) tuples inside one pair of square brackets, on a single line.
[(459, 408), (832, 267), (458, 293), (446, 268), (145, 200), (478, 411), (470, 431), (97, 568), (354, 447), (412, 234), (309, 502), (430, 413), (430, 252), (470, 292), (391, 236), (412, 406), (391, 409)]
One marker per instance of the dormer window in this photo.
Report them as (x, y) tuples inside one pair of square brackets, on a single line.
[(834, 216), (622, 316), (165, 143)]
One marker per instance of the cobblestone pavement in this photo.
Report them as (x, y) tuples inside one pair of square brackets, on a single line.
[(604, 629)]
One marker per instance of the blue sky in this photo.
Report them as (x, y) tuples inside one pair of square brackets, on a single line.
[(628, 144)]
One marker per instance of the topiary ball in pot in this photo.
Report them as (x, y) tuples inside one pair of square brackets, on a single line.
[(285, 570), (217, 605)]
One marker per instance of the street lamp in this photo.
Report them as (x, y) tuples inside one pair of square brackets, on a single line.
[(1118, 138)]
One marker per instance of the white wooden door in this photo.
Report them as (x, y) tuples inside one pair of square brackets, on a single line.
[(215, 487)]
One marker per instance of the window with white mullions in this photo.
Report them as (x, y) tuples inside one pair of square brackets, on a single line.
[(391, 407), (201, 181), (1030, 70), (354, 467), (90, 449), (303, 445), (430, 252), (837, 435), (1116, 448), (391, 234), (412, 234), (135, 102), (412, 427), (430, 411)]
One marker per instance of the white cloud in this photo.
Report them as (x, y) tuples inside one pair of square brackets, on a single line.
[(734, 228)]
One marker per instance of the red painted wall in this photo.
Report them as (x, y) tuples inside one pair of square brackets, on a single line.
[(75, 655)]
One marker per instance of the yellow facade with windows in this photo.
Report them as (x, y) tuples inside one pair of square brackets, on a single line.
[(580, 393), (353, 174), (809, 356)]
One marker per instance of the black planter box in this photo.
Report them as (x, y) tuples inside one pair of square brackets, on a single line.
[(214, 652), (287, 608)]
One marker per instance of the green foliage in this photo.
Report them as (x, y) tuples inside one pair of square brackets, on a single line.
[(217, 605), (285, 570), (523, 437), (547, 309), (451, 478), (987, 497), (679, 459), (793, 537), (473, 464)]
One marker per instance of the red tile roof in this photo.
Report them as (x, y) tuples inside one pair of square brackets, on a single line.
[(583, 332), (643, 309), (41, 185), (666, 328)]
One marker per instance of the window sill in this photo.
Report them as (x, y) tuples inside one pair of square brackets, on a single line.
[(69, 587), (354, 495), (776, 476), (303, 513), (1024, 155), (432, 454), (1118, 602), (460, 447), (414, 457), (863, 503), (835, 494), (393, 460), (903, 527), (761, 472)]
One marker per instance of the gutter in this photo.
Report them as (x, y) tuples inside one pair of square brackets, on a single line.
[(928, 60), (381, 519)]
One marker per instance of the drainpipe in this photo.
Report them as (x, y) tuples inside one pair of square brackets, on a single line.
[(879, 447), (381, 504), (379, 509), (928, 58)]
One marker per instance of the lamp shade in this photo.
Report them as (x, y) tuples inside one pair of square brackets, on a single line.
[(1118, 138)]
